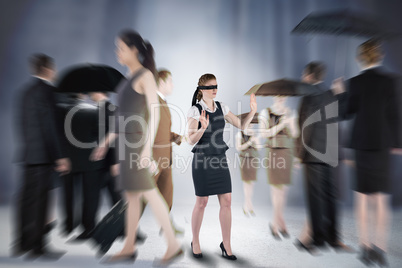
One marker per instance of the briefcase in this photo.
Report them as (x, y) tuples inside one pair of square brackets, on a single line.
[(110, 227)]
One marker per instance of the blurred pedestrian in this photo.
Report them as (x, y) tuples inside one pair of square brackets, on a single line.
[(42, 152)]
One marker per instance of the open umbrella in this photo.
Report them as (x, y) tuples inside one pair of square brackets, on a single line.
[(345, 22), (253, 121), (89, 78), (283, 87)]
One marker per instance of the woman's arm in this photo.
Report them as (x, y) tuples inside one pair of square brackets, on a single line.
[(235, 121), (263, 122), (195, 134), (293, 126), (239, 146), (148, 87)]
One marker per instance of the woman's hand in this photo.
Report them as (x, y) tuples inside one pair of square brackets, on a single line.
[(254, 140), (250, 132), (204, 120), (253, 103), (146, 161)]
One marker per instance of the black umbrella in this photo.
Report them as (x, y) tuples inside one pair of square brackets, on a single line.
[(345, 22), (253, 121), (283, 87), (89, 78)]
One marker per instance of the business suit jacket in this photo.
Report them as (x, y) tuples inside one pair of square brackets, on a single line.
[(86, 122), (315, 135), (162, 153), (319, 174), (40, 135), (105, 115), (372, 98), (162, 150), (84, 129), (40, 148)]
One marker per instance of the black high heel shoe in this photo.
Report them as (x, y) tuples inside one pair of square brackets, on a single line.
[(121, 259), (310, 248), (274, 234), (195, 255), (225, 254), (366, 256), (284, 233)]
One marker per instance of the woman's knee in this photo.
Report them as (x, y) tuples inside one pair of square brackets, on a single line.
[(201, 202), (225, 200), (132, 196)]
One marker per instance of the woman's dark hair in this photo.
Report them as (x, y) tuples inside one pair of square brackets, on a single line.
[(146, 52), (201, 82)]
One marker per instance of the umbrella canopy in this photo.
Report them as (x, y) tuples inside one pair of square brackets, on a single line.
[(344, 22), (253, 121), (283, 87), (89, 78)]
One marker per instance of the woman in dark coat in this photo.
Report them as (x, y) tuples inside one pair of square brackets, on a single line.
[(372, 100)]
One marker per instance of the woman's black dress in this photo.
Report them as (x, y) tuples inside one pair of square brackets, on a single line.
[(210, 168)]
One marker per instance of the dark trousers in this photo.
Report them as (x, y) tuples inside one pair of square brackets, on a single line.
[(71, 186), (33, 206), (91, 183), (109, 182), (321, 198)]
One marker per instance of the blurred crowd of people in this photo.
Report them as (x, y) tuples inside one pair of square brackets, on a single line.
[(67, 134)]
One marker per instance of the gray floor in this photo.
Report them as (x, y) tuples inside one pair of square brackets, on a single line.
[(251, 242)]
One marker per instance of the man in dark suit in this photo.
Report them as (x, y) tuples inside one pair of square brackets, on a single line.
[(41, 150), (317, 147), (105, 115), (81, 136)]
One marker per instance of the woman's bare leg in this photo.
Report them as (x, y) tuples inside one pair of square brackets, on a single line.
[(196, 221), (131, 222), (225, 217), (383, 216), (275, 198), (248, 187), (161, 213), (362, 218), (281, 207)]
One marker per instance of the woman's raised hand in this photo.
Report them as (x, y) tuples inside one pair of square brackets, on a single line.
[(253, 103), (204, 120)]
